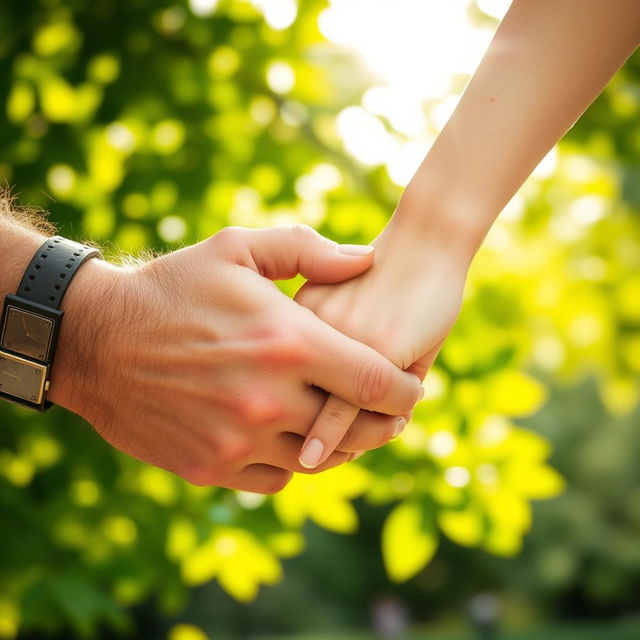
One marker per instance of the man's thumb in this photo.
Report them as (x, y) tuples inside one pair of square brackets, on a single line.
[(281, 253)]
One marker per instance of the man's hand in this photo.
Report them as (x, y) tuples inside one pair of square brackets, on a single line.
[(403, 307), (200, 365)]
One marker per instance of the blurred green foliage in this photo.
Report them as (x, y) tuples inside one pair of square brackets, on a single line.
[(140, 125)]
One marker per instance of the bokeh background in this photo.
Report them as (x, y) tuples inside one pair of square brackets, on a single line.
[(510, 507)]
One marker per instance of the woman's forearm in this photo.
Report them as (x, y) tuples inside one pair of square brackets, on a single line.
[(547, 62)]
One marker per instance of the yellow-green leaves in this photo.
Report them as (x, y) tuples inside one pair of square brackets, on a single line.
[(236, 558), (514, 393), (186, 632), (409, 540), (9, 619), (201, 116), (56, 37), (539, 482), (182, 538), (20, 102), (464, 527), (324, 498)]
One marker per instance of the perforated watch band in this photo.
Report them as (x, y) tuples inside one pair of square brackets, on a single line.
[(31, 319), (51, 269)]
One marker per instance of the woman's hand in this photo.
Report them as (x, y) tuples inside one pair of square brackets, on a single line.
[(404, 307)]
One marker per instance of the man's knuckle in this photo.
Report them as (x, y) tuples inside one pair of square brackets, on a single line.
[(293, 346), (227, 234), (262, 349), (260, 408), (372, 382), (302, 232), (231, 451), (283, 344)]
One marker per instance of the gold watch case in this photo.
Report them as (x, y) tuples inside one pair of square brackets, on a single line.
[(22, 378)]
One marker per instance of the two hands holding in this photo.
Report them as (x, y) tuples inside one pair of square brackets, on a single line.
[(197, 363), (200, 365)]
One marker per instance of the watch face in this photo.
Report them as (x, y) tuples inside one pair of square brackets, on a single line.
[(22, 378), (27, 333)]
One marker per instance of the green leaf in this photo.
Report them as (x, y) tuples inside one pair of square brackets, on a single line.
[(409, 541)]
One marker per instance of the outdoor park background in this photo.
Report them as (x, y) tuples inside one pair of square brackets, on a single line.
[(153, 124)]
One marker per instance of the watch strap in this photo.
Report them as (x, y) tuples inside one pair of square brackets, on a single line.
[(51, 269)]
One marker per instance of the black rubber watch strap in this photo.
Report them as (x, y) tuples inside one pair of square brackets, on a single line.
[(51, 269)]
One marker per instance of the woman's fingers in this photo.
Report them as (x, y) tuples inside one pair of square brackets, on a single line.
[(330, 429), (336, 426), (327, 431), (370, 430), (284, 455)]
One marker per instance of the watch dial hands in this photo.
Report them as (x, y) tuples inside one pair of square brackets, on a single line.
[(26, 330)]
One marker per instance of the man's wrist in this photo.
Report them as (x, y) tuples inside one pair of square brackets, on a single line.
[(88, 307), (76, 376)]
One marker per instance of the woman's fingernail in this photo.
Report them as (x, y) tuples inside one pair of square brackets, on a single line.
[(421, 394), (399, 428), (355, 249), (311, 453)]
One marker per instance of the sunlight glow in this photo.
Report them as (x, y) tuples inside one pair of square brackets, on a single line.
[(442, 444), (418, 44), (278, 14), (313, 186), (249, 500), (365, 137), (61, 178), (403, 164), (587, 210), (494, 8), (203, 8), (120, 137), (547, 166), (403, 111), (172, 228), (457, 477), (280, 77), (418, 53)]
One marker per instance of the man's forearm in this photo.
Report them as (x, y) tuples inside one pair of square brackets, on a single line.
[(548, 61), (19, 240)]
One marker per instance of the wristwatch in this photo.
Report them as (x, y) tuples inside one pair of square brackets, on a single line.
[(31, 319)]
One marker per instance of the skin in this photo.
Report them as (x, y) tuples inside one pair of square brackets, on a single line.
[(547, 62), (197, 363)]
